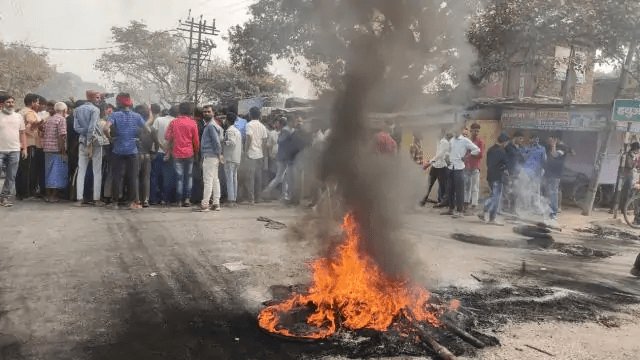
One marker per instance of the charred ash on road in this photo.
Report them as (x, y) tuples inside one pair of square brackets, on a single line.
[(164, 323)]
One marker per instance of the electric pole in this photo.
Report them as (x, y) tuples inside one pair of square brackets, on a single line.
[(198, 34)]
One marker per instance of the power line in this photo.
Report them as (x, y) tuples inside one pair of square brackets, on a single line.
[(89, 49), (69, 49)]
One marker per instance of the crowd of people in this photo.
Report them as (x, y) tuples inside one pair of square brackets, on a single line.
[(121, 155), (99, 154), (523, 176)]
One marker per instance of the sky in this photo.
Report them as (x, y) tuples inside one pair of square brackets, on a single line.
[(87, 23)]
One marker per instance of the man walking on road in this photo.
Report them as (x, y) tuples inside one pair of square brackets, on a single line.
[(460, 147), (497, 164), (439, 171), (283, 160), (13, 146), (85, 123), (255, 149), (184, 142)]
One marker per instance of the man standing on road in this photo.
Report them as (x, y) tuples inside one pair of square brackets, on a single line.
[(497, 164), (530, 178), (232, 150), (162, 169), (125, 126), (184, 142), (146, 145), (13, 144), (556, 155), (460, 147), (255, 149), (472, 171), (85, 123), (515, 160), (300, 142), (415, 149), (241, 124), (54, 144), (211, 152), (383, 142), (630, 163), (27, 180)]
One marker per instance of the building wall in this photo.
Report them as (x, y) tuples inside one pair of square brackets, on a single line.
[(522, 81), (549, 85)]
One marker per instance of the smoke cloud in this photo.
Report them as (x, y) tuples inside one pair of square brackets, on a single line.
[(401, 47)]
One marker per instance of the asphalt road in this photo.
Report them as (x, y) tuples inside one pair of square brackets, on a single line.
[(88, 283)]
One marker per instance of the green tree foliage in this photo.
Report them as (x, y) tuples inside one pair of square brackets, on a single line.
[(315, 37), (149, 65), (22, 70), (145, 59), (504, 28), (224, 82)]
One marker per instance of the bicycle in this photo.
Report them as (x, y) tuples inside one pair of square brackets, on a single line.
[(632, 209)]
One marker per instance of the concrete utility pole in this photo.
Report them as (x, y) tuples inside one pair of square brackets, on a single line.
[(611, 127), (624, 78), (199, 51)]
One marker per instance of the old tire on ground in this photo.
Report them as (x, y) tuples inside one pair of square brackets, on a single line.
[(533, 232)]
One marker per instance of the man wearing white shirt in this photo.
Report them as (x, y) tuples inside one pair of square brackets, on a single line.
[(163, 179), (439, 171), (13, 146), (255, 149), (459, 147)]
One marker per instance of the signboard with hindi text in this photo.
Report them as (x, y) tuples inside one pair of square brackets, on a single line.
[(626, 112), (555, 119)]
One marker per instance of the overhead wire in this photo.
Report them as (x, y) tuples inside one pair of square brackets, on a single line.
[(85, 49), (69, 49)]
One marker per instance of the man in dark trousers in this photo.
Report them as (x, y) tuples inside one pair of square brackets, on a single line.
[(497, 164), (630, 164), (460, 147), (125, 126), (557, 152), (515, 156)]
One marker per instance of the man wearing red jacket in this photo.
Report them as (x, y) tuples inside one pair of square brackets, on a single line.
[(472, 170), (184, 143)]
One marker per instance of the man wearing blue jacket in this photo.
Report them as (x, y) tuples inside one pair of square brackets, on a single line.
[(211, 152)]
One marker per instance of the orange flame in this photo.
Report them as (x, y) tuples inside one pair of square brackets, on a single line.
[(351, 290)]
